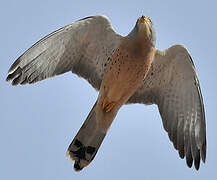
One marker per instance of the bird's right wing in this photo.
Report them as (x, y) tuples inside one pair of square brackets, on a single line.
[(82, 47), (173, 85)]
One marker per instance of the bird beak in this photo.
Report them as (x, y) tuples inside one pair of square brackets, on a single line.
[(144, 19)]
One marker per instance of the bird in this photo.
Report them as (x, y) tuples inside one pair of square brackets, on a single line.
[(125, 70)]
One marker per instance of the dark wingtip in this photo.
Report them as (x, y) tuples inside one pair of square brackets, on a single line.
[(203, 152), (8, 78), (197, 160), (197, 164), (189, 159), (14, 65), (189, 162), (181, 153), (14, 76)]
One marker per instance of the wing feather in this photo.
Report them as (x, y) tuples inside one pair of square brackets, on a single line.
[(173, 85), (82, 47)]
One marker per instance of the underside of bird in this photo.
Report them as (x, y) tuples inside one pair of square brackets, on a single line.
[(124, 70), (120, 81)]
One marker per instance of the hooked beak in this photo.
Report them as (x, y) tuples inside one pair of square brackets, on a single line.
[(144, 19)]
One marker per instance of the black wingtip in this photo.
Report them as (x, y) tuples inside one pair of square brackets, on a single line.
[(16, 81), (189, 162), (197, 164), (189, 159), (197, 160), (203, 152), (14, 65), (14, 75), (181, 153), (8, 78)]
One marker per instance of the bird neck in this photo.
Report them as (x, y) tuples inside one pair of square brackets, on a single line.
[(139, 46), (139, 33)]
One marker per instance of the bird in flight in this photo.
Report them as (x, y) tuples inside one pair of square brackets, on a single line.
[(125, 70)]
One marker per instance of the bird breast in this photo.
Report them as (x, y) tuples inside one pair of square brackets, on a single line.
[(125, 73)]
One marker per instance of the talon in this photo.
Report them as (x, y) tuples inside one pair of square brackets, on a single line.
[(109, 107), (104, 103)]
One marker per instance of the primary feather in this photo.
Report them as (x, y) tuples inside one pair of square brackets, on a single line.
[(82, 47)]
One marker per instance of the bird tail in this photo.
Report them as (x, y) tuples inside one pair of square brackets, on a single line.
[(86, 143)]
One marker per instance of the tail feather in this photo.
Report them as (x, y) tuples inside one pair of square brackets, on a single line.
[(86, 143)]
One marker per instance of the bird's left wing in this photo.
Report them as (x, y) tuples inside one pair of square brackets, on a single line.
[(173, 85), (82, 47)]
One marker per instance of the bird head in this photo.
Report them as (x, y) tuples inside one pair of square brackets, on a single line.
[(144, 29), (143, 20)]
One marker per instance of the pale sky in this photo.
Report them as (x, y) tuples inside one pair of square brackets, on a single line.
[(39, 121)]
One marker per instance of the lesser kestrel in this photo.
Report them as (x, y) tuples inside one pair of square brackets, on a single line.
[(125, 70)]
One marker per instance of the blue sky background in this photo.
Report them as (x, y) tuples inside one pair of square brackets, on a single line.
[(39, 121)]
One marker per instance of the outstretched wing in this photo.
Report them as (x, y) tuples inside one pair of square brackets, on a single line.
[(82, 47), (173, 85)]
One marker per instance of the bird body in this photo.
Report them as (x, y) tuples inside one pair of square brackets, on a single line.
[(125, 70)]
